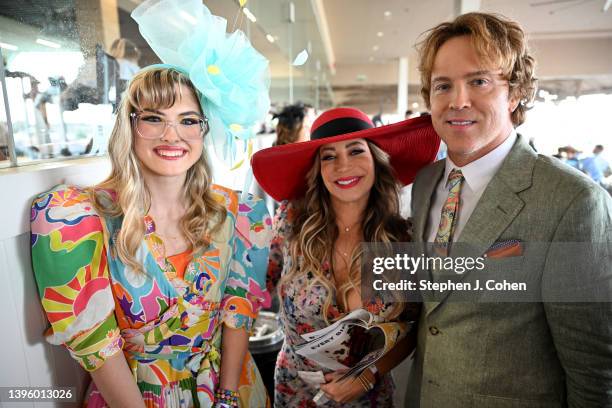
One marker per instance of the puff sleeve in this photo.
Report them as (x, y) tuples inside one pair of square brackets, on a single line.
[(70, 265), (245, 290)]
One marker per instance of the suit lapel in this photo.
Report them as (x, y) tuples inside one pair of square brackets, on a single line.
[(498, 206), (422, 196), (423, 192)]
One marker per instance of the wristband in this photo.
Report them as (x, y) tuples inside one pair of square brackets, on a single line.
[(365, 383), (374, 370), (226, 398)]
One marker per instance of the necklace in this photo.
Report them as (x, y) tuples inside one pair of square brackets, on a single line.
[(346, 251), (349, 227), (343, 253), (345, 230)]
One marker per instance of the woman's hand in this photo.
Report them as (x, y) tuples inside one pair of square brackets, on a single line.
[(342, 391)]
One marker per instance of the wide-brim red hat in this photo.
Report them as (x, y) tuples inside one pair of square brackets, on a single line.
[(411, 144)]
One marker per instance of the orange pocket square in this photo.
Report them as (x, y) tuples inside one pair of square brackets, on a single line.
[(505, 249)]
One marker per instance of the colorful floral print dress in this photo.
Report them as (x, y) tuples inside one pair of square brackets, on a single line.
[(168, 327), (301, 312)]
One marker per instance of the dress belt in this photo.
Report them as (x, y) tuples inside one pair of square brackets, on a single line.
[(140, 350)]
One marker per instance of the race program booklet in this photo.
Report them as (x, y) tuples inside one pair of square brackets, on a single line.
[(352, 343)]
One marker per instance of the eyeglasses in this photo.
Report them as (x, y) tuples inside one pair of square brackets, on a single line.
[(153, 126)]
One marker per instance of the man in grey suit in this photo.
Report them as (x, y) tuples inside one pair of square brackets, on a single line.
[(477, 78)]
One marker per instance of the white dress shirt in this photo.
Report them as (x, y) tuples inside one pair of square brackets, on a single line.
[(477, 176)]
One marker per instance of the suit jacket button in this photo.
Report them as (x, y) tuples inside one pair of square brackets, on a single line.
[(433, 330)]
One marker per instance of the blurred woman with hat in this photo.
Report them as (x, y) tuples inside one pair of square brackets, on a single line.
[(337, 190)]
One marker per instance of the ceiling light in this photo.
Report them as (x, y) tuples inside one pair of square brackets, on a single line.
[(249, 15), (415, 105), (387, 14), (380, 34), (8, 46), (375, 48), (47, 43), (270, 38)]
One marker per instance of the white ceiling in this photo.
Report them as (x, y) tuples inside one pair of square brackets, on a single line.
[(354, 24), (572, 41)]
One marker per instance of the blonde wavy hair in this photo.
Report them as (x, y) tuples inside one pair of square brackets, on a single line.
[(154, 88), (314, 230), (498, 41)]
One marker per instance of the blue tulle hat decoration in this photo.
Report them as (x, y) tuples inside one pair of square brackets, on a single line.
[(232, 78)]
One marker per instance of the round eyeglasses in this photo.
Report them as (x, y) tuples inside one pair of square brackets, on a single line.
[(153, 126)]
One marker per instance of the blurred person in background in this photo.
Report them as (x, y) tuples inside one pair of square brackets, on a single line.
[(572, 157), (596, 166), (4, 153), (127, 55), (294, 123)]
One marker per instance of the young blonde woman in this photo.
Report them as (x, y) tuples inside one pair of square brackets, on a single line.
[(157, 261), (341, 190)]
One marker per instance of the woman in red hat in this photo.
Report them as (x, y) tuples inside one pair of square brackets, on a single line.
[(338, 190)]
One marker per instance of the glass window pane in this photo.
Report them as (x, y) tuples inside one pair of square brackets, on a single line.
[(63, 84), (68, 62), (55, 106)]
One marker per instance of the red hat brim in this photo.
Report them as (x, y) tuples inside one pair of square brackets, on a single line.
[(411, 144)]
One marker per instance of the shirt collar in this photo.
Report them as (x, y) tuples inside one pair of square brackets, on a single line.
[(479, 173)]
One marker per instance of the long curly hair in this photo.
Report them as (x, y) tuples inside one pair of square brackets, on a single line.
[(314, 230), (154, 88), (498, 41)]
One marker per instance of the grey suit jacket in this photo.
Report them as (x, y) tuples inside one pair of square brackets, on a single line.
[(518, 354)]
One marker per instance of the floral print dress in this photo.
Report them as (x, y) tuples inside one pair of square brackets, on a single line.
[(302, 312), (168, 325)]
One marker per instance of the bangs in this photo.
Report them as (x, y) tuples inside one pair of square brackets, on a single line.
[(158, 89), (488, 49)]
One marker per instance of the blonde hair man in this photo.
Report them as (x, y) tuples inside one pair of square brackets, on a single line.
[(501, 199)]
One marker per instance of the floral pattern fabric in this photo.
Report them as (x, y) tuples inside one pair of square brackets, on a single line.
[(169, 328), (302, 312)]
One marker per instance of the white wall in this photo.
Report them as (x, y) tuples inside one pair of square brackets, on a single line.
[(572, 57), (26, 359)]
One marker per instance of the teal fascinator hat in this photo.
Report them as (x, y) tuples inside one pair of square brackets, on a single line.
[(232, 78)]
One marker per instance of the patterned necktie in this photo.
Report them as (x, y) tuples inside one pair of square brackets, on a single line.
[(450, 211)]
